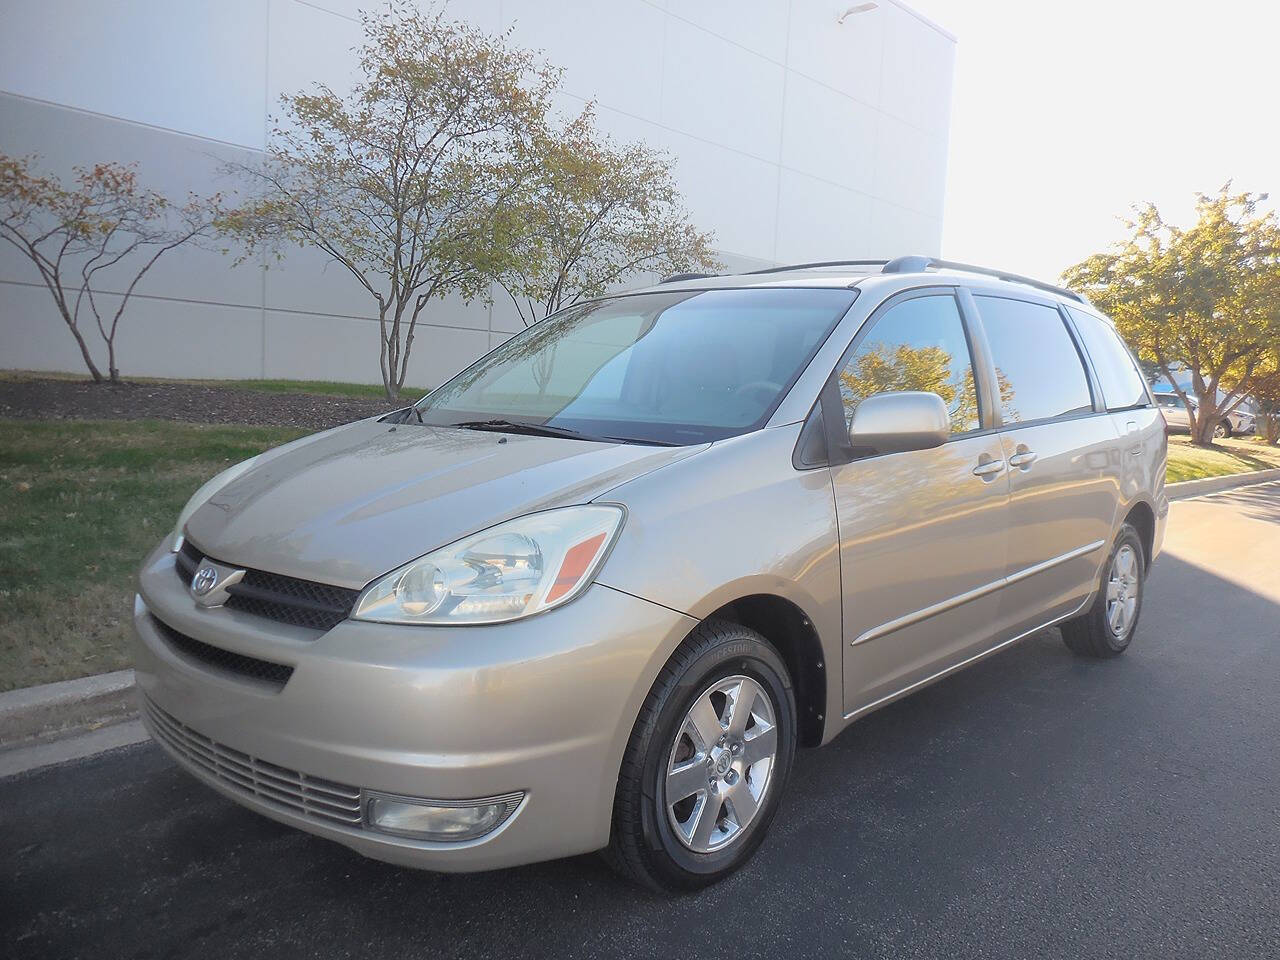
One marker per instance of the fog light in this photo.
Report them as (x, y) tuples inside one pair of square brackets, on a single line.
[(450, 820)]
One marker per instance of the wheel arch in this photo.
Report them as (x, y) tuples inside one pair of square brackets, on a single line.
[(1142, 518), (792, 633)]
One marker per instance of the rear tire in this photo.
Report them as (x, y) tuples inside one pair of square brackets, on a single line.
[(1107, 629), (720, 723), (1222, 430)]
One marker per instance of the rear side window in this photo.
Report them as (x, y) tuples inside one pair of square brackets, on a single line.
[(1038, 369), (917, 344), (1122, 384)]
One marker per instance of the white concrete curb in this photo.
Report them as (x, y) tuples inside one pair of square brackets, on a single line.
[(53, 709), (45, 753), (1194, 488)]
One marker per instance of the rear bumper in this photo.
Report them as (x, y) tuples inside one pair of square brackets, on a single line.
[(542, 707), (1162, 524)]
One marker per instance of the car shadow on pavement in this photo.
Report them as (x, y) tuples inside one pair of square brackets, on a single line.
[(1035, 804), (1257, 502)]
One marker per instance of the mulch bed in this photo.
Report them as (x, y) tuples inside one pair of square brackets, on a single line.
[(37, 399)]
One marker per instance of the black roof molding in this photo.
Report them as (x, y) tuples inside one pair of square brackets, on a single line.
[(819, 263), (676, 277), (918, 264)]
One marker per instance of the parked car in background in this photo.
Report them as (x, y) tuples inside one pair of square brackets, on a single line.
[(1174, 411), (596, 590)]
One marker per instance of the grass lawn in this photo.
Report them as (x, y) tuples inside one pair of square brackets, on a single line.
[(84, 501), (1234, 455)]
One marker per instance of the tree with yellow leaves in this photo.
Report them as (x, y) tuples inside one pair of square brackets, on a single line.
[(1205, 299)]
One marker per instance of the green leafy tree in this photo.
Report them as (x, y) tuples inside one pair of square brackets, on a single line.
[(410, 181), (92, 242), (1205, 299), (594, 214), (1266, 395)]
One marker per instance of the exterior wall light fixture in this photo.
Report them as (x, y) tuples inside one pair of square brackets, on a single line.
[(856, 8)]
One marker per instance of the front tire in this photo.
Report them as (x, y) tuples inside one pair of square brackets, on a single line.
[(1222, 430), (1107, 629), (707, 761)]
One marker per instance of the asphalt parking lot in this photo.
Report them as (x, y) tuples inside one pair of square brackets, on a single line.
[(1033, 806)]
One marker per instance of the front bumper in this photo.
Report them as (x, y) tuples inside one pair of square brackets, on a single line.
[(542, 706)]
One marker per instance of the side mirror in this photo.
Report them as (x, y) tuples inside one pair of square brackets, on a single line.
[(900, 421)]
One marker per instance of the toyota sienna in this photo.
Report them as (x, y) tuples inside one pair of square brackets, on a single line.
[(595, 591)]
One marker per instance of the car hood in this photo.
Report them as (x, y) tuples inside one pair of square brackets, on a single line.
[(351, 504)]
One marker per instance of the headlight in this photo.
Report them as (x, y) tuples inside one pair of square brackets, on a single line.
[(204, 493), (513, 570)]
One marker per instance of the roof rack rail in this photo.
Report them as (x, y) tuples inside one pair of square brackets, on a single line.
[(819, 263), (918, 264), (675, 277)]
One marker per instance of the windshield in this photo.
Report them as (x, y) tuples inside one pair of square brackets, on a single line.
[(680, 368)]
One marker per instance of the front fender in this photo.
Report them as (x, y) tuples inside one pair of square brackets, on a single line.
[(736, 521)]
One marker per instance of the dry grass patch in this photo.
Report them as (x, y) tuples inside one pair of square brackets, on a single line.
[(332, 388)]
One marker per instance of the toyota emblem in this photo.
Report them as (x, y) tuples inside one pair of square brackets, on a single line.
[(205, 579)]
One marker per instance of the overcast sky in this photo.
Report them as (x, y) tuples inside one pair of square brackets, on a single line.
[(1067, 112)]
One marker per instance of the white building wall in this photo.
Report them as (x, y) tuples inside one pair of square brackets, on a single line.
[(794, 138)]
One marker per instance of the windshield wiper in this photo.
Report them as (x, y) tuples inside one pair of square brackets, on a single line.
[(645, 442), (546, 430), (529, 429)]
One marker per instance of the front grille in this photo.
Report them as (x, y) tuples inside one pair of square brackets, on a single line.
[(303, 603), (187, 560), (319, 800), (225, 661)]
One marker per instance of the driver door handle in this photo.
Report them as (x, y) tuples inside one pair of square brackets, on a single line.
[(988, 468)]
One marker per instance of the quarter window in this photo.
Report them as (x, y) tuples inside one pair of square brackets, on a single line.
[(918, 344), (1122, 384), (1038, 370)]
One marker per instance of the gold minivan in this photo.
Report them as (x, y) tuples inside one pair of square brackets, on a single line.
[(596, 590)]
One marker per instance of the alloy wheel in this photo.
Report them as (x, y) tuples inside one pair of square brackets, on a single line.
[(1122, 591), (721, 763)]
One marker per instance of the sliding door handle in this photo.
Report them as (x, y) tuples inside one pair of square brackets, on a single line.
[(988, 469), (1024, 458)]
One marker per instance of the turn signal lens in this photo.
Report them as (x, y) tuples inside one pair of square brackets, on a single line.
[(576, 563)]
